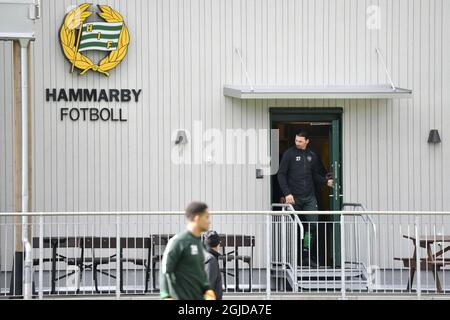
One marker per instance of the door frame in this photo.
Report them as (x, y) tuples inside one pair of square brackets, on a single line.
[(329, 114)]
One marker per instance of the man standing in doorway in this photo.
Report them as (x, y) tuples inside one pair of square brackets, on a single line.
[(183, 275), (297, 176)]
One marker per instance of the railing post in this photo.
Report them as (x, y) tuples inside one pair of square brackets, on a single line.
[(418, 266), (369, 257), (41, 256), (343, 293), (284, 253), (268, 257), (295, 255), (118, 257)]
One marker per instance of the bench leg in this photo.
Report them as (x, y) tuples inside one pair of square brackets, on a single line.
[(436, 279)]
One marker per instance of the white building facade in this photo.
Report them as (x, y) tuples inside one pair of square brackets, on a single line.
[(181, 55)]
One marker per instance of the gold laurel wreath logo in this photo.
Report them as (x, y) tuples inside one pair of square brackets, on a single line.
[(74, 19)]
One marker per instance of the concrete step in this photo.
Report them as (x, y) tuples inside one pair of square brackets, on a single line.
[(303, 272), (354, 285)]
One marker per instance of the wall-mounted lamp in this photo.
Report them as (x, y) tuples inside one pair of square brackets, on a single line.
[(434, 137), (259, 174), (181, 137)]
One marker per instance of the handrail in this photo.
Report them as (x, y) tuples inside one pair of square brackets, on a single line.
[(353, 204), (262, 212), (293, 264), (369, 218), (296, 218)]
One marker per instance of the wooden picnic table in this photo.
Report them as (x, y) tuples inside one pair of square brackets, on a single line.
[(57, 243), (433, 261), (88, 242), (226, 240)]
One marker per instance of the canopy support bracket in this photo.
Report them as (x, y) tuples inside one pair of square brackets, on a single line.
[(245, 69), (386, 69)]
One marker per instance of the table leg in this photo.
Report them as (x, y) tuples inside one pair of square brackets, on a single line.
[(224, 268), (236, 267), (54, 268), (121, 269), (250, 266), (154, 275), (429, 252), (81, 265), (147, 268), (95, 270), (412, 269)]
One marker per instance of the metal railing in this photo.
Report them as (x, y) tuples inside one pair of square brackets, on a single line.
[(264, 253), (370, 232), (101, 253), (285, 230)]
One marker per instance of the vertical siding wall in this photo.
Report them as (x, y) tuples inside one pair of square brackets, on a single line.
[(181, 54)]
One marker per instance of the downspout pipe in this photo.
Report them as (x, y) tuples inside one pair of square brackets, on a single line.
[(24, 45)]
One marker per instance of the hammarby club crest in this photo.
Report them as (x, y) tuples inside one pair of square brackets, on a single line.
[(78, 35)]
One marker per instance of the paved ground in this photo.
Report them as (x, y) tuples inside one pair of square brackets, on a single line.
[(389, 283)]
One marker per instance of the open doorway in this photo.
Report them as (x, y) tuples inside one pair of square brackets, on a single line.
[(319, 144), (323, 127)]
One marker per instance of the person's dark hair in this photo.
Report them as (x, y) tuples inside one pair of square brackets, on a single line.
[(211, 239), (303, 134), (195, 209)]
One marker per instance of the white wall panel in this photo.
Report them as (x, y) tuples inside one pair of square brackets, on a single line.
[(181, 54)]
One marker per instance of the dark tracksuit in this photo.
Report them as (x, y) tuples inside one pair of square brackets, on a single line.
[(183, 273), (298, 174), (213, 271)]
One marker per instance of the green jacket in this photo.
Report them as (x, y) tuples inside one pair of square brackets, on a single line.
[(183, 273)]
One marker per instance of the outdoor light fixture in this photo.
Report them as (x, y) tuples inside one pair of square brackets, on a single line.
[(434, 137), (259, 174), (181, 137)]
